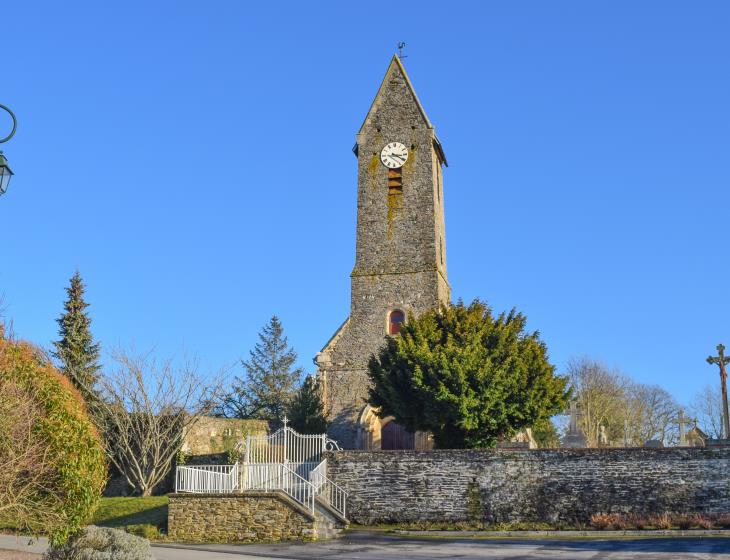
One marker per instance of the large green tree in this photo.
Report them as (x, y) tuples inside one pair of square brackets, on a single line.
[(76, 351), (306, 411), (271, 378), (467, 376)]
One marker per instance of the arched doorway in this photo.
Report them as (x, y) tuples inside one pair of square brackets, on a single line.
[(383, 433), (395, 436)]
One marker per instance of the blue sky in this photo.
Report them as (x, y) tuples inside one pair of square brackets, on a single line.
[(173, 152)]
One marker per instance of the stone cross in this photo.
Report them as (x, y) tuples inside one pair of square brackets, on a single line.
[(574, 413), (722, 360), (682, 421)]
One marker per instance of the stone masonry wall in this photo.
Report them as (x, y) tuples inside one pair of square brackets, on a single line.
[(218, 435), (550, 485), (245, 517)]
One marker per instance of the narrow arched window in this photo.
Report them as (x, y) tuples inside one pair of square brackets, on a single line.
[(395, 321)]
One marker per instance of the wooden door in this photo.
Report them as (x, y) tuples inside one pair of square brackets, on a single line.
[(395, 436)]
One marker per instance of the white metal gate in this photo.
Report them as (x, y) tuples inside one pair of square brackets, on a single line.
[(285, 460), (300, 452)]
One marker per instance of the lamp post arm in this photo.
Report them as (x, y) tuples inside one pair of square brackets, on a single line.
[(15, 124)]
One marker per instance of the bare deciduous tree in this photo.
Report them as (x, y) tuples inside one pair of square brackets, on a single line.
[(650, 414), (631, 412), (600, 394), (144, 411), (706, 407)]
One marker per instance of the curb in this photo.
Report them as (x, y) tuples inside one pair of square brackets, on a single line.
[(569, 534)]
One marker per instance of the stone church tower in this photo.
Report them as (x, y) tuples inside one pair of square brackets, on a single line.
[(400, 256)]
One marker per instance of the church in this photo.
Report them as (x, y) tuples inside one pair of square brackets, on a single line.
[(400, 258)]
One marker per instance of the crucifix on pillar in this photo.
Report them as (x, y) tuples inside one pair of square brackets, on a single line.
[(722, 360)]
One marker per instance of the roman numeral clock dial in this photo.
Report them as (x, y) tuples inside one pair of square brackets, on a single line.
[(394, 155)]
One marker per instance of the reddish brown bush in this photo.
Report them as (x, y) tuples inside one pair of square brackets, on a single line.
[(600, 521), (684, 522), (702, 522), (624, 521), (609, 521), (663, 521)]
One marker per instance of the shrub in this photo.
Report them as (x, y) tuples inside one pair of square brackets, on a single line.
[(58, 441), (663, 521), (611, 521), (601, 521), (144, 530), (702, 522), (101, 543), (723, 520), (684, 522)]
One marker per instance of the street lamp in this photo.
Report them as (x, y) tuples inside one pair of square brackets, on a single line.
[(5, 172)]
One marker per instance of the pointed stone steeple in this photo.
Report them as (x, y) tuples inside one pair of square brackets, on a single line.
[(395, 85)]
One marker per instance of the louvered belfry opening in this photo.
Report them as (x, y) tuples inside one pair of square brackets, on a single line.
[(395, 181)]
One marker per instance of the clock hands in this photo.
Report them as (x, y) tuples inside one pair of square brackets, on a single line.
[(392, 159)]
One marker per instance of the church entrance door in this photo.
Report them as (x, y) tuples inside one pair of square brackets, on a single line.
[(395, 436)]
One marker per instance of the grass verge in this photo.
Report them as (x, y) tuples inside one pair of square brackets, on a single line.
[(146, 517)]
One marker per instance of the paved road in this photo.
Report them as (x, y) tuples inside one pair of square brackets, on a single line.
[(369, 546)]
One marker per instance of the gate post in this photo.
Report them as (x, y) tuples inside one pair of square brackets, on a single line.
[(286, 440)]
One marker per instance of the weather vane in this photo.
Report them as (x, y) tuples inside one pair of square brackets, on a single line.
[(401, 46)]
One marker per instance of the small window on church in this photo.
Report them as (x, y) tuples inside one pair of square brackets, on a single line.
[(395, 321)]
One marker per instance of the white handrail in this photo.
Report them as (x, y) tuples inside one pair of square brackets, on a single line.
[(327, 491), (277, 476)]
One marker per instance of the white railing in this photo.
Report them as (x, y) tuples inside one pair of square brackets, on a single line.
[(326, 490), (210, 479), (268, 477)]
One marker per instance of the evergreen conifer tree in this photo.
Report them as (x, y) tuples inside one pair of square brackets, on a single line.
[(271, 379), (76, 351), (306, 412), (466, 376)]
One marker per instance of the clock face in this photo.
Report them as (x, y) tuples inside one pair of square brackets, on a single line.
[(394, 155)]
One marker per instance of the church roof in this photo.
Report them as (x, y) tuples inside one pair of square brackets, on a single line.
[(396, 61)]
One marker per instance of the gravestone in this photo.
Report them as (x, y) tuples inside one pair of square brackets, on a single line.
[(573, 438)]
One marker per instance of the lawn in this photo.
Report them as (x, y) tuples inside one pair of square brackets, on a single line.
[(126, 512), (142, 516)]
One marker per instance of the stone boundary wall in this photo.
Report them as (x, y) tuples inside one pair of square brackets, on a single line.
[(543, 485), (244, 517)]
